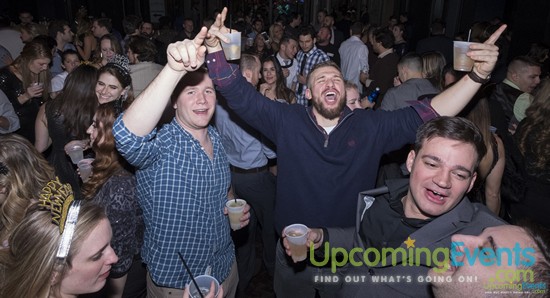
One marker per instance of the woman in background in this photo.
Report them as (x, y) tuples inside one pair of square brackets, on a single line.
[(114, 82), (491, 168), (114, 188), (108, 47), (31, 30), (533, 139), (66, 118), (272, 84), (276, 32), (26, 83), (432, 68)]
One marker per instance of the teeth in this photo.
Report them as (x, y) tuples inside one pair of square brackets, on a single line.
[(330, 93)]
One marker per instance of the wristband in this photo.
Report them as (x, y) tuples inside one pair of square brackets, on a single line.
[(476, 78)]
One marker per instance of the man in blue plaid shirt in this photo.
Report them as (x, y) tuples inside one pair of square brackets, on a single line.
[(307, 57), (182, 180)]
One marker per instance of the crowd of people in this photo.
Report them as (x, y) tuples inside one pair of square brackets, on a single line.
[(306, 120)]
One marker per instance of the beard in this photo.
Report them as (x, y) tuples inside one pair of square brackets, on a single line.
[(329, 114)]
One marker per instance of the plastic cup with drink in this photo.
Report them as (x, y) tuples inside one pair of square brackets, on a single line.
[(204, 282), (232, 50), (461, 62), (85, 168), (296, 235), (76, 152), (235, 210)]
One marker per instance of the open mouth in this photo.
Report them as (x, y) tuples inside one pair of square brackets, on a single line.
[(436, 197), (330, 97), (201, 111)]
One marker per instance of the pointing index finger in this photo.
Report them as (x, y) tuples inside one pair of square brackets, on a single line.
[(494, 37)]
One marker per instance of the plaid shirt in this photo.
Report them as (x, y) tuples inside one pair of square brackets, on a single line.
[(182, 193), (314, 56)]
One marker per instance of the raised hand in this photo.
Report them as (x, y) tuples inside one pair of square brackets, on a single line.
[(485, 55), (216, 33), (187, 55)]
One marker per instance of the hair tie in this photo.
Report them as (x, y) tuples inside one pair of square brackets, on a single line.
[(58, 198)]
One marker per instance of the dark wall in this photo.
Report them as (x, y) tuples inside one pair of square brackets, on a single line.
[(531, 24)]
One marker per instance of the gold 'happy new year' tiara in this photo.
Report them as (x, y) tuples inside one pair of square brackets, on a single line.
[(58, 198)]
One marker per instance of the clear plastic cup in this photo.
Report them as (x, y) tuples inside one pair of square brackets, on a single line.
[(296, 235), (76, 153), (232, 50), (461, 62), (204, 282), (85, 168), (235, 210)]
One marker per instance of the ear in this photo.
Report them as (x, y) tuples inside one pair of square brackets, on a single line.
[(247, 74), (474, 177), (410, 160), (54, 279), (308, 94)]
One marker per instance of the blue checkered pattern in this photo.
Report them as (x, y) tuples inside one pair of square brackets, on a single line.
[(182, 193), (315, 56)]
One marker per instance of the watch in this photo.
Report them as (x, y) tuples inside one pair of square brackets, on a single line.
[(476, 78)]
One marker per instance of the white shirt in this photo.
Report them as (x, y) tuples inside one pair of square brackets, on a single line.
[(354, 56), (292, 70)]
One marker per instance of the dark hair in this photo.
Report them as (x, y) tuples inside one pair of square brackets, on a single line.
[(412, 60), (538, 51), (281, 90), (307, 30), (143, 47), (356, 28), (189, 79), (56, 26), (46, 40), (287, 37), (328, 63), (385, 37), (105, 22), (533, 133), (67, 53), (454, 128), (541, 240), (131, 23), (77, 103)]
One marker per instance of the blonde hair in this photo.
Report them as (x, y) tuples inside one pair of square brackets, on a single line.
[(27, 172), (29, 268)]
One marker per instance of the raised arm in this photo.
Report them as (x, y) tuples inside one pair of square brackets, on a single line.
[(183, 56), (451, 101)]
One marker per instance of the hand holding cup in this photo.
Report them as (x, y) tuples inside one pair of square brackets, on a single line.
[(485, 54), (239, 213)]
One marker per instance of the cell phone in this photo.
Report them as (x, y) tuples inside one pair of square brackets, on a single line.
[(265, 36)]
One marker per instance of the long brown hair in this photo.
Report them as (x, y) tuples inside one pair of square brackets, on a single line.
[(32, 51), (533, 133), (107, 159), (78, 101), (281, 90)]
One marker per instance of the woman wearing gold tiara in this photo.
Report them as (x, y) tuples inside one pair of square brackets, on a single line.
[(60, 249)]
